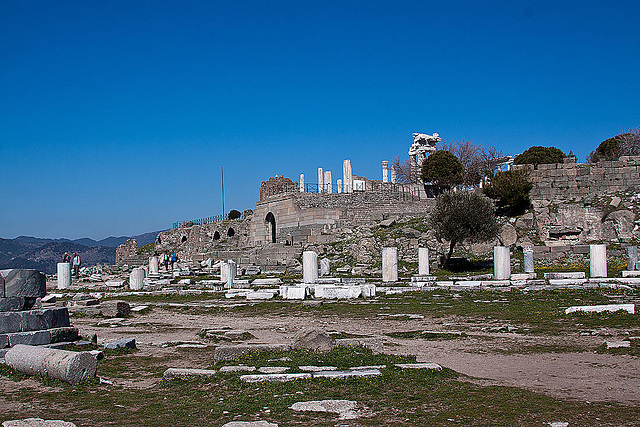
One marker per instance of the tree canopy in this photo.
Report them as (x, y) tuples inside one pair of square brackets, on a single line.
[(511, 190), (463, 216), (443, 170), (540, 155), (624, 144), (234, 214)]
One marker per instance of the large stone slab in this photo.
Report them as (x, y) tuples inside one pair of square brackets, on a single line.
[(566, 275), (29, 338), (115, 308), (184, 373), (346, 409), (250, 424), (629, 308), (33, 320), (228, 352), (313, 339), (19, 282), (37, 422)]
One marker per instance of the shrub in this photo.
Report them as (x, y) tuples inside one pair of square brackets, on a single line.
[(463, 216), (234, 214), (443, 170), (511, 190), (540, 155), (625, 144)]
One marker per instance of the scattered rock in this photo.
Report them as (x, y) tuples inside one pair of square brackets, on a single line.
[(37, 422), (273, 369), (313, 339), (388, 222), (250, 424), (617, 344), (121, 343), (184, 373), (238, 368)]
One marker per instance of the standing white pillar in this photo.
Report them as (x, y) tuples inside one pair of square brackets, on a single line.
[(325, 267), (385, 171), (423, 261), (302, 183), (309, 267), (632, 258), (528, 259), (501, 263), (232, 270), (393, 174), (64, 275), (136, 279), (339, 185), (153, 265), (347, 177), (598, 261), (328, 188), (389, 265), (320, 181)]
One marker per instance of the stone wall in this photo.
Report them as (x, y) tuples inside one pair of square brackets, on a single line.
[(563, 181), (128, 253)]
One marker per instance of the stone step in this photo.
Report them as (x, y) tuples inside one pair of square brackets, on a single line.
[(33, 320)]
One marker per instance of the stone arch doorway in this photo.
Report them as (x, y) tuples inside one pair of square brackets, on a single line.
[(216, 236), (270, 223), (231, 232)]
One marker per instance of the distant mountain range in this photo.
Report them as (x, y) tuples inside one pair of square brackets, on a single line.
[(44, 254)]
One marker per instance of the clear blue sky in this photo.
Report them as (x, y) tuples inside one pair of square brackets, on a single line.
[(115, 117)]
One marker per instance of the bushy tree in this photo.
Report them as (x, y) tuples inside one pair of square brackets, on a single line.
[(539, 155), (477, 160), (234, 214), (625, 144), (463, 216), (511, 190), (443, 170)]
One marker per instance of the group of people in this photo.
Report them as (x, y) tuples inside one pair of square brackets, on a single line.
[(75, 263), (167, 259)]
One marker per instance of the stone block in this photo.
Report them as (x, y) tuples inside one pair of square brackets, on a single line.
[(115, 283), (184, 373), (313, 339), (4, 341), (565, 275), (293, 292), (121, 343), (68, 334), (23, 283), (228, 352), (433, 366), (29, 338), (338, 375), (260, 295), (267, 282), (629, 308), (12, 304), (37, 422), (255, 378), (115, 308), (373, 344), (33, 320), (342, 292), (627, 273)]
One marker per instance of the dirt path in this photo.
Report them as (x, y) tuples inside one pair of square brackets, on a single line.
[(487, 358)]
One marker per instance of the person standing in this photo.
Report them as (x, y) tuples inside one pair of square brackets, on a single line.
[(76, 265), (173, 259), (66, 258)]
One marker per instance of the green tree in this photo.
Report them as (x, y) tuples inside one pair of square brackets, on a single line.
[(539, 155), (625, 144), (234, 214), (443, 170), (511, 190), (463, 216)]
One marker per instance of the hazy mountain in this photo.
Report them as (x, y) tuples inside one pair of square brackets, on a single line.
[(44, 254)]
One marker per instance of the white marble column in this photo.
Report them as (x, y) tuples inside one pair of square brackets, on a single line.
[(328, 188), (393, 174), (389, 265), (64, 275), (232, 270), (385, 171), (309, 267), (136, 279), (528, 259), (347, 178), (302, 183), (598, 261), (632, 258), (423, 261), (153, 265), (501, 263), (320, 181), (339, 185)]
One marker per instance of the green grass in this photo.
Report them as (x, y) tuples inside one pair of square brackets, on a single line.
[(397, 397)]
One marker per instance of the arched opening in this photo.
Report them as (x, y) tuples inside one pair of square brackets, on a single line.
[(216, 236), (231, 232), (184, 239), (270, 223)]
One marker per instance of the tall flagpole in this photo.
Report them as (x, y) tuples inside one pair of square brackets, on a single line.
[(222, 173)]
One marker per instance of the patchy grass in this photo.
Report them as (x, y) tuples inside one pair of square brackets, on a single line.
[(427, 335), (397, 397)]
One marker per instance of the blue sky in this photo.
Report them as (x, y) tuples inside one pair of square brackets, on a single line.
[(116, 117)]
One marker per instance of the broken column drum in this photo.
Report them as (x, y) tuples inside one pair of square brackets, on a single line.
[(528, 259), (423, 261), (64, 275), (228, 272), (309, 267), (598, 260), (339, 185), (325, 267), (68, 366), (501, 263), (632, 258), (389, 265), (136, 279), (153, 265)]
